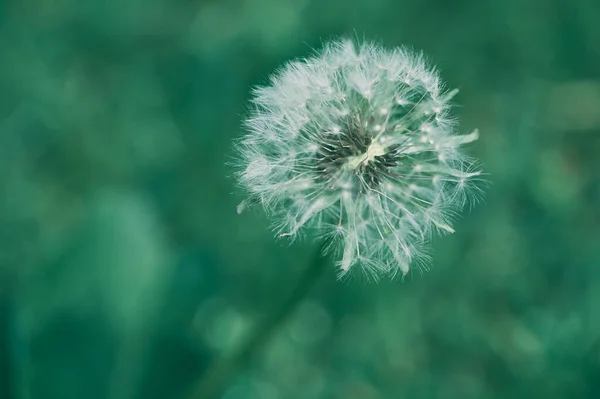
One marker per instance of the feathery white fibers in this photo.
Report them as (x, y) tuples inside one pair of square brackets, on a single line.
[(358, 143)]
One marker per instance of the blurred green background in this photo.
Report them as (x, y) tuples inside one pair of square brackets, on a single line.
[(125, 270)]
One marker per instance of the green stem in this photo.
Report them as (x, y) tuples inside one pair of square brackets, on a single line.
[(223, 370)]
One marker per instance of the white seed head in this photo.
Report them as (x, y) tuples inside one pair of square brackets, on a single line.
[(358, 142)]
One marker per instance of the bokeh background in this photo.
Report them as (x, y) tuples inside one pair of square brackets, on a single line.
[(125, 270)]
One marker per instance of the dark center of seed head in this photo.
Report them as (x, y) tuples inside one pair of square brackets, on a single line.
[(345, 147)]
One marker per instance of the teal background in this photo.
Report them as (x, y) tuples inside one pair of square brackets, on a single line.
[(125, 270)]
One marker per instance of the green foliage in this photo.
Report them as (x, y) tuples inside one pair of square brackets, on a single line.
[(125, 270)]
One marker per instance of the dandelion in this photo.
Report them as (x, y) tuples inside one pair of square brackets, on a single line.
[(358, 142)]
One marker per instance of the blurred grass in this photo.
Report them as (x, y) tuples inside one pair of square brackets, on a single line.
[(125, 269)]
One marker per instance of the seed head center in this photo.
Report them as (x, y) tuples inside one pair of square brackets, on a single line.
[(375, 149)]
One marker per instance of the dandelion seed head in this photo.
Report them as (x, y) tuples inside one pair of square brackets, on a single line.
[(358, 142)]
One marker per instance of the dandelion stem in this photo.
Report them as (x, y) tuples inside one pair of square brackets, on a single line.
[(221, 371)]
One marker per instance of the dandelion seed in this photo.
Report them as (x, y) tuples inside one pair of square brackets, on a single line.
[(357, 142)]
